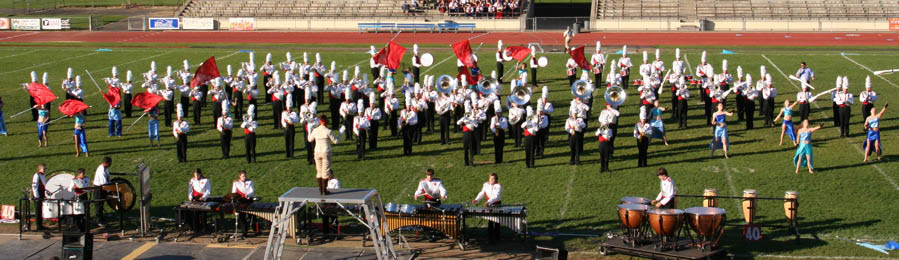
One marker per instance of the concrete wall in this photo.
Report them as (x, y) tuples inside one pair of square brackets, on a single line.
[(752, 25), (349, 24)]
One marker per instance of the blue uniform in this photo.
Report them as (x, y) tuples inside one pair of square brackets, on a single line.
[(803, 150), (720, 132), (79, 133), (789, 124), (658, 126), (115, 122), (42, 127), (873, 136)]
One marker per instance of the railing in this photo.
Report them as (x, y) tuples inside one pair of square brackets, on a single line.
[(29, 6), (556, 23)]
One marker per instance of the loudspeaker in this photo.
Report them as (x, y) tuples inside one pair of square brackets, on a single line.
[(551, 253), (77, 246)]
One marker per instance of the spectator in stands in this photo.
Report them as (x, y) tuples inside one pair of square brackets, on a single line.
[(405, 7)]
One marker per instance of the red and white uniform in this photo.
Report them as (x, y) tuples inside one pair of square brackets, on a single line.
[(243, 188), (431, 189), (667, 191), (490, 192), (198, 188)]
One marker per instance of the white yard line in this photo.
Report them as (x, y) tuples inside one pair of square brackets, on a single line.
[(48, 63), (20, 35), (17, 54), (689, 67), (879, 170), (730, 182), (786, 77), (869, 70), (567, 195)]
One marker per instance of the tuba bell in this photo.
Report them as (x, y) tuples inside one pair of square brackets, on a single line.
[(445, 84), (520, 95), (581, 89), (486, 87), (615, 96)]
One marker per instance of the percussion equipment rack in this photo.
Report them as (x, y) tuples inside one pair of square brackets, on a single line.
[(618, 245), (792, 224), (297, 198)]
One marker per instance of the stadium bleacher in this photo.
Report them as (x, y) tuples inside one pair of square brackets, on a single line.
[(310, 8), (747, 8)]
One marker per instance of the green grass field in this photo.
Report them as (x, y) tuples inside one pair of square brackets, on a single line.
[(845, 198)]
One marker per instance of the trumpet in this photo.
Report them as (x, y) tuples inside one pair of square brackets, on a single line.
[(615, 96), (445, 84), (581, 89), (520, 95)]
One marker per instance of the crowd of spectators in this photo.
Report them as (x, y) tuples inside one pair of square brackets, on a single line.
[(468, 8)]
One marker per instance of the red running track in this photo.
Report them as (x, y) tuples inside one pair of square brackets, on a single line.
[(510, 38)]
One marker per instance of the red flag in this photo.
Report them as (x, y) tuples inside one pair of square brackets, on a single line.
[(113, 95), (381, 57), (578, 56), (471, 80), (72, 106), (205, 72), (146, 100), (463, 52), (390, 56), (518, 53), (40, 93)]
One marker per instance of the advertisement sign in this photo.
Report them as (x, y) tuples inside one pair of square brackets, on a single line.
[(4, 23), (26, 24), (164, 24), (242, 24), (894, 24), (51, 24), (197, 23)]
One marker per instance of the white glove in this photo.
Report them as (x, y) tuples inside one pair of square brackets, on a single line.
[(342, 129)]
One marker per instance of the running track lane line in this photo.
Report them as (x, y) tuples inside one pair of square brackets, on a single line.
[(879, 170), (139, 251), (20, 35), (787, 77), (48, 63), (869, 69)]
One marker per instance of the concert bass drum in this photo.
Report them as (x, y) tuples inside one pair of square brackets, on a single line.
[(119, 188)]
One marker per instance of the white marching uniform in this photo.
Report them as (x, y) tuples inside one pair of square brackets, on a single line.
[(667, 191), (246, 188), (201, 186), (575, 124), (491, 193), (431, 189)]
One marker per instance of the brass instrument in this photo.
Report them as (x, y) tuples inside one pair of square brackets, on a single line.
[(581, 89), (486, 87), (615, 96), (445, 84), (520, 95)]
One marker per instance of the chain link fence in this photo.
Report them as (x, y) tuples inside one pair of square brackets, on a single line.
[(557, 23), (30, 6)]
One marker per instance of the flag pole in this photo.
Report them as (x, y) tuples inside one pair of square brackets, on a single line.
[(54, 120), (95, 82), (135, 121), (20, 113)]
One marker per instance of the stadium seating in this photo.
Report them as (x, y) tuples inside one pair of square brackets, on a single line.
[(711, 9), (302, 8)]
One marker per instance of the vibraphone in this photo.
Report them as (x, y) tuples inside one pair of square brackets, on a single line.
[(514, 217), (199, 209), (446, 219), (266, 211)]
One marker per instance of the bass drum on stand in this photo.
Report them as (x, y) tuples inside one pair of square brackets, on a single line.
[(120, 188)]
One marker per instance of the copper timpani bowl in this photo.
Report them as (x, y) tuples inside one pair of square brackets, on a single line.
[(705, 220), (665, 222), (632, 215)]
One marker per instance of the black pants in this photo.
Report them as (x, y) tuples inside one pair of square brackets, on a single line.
[(571, 79), (534, 77), (276, 113), (265, 79), (769, 111), (740, 108), (515, 133), (32, 103), (803, 111), (614, 128), (675, 111), (530, 145), (444, 128), (415, 72), (168, 109), (407, 140), (457, 114), (476, 140), (605, 151), (597, 80), (643, 153), (348, 123), (430, 113), (866, 110), (197, 112), (39, 210), (750, 112), (468, 146), (334, 108), (574, 145), (625, 80), (310, 148), (375, 73), (320, 84), (682, 113), (373, 134), (181, 144), (238, 105), (99, 194), (542, 135), (836, 114), (126, 99), (493, 228), (360, 144), (499, 72), (216, 111), (289, 138), (844, 121), (499, 142), (204, 89), (707, 106), (225, 138), (250, 146)]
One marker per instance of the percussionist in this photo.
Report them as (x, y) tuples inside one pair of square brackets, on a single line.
[(491, 192), (243, 187), (431, 188), (76, 186), (665, 199), (198, 190)]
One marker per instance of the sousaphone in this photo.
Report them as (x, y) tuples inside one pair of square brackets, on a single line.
[(520, 95), (615, 96), (582, 89), (445, 84)]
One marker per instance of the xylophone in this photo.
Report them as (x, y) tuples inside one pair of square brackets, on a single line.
[(446, 219), (266, 211), (513, 217)]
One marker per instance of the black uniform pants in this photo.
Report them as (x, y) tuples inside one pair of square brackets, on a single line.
[(707, 106), (238, 105), (530, 145), (614, 128), (499, 142), (468, 143), (499, 72), (391, 122), (750, 112), (334, 108), (597, 80), (348, 123), (168, 109), (515, 133), (682, 113), (534, 77), (197, 112), (444, 128), (225, 138), (98, 194), (415, 73), (375, 73), (185, 104), (422, 121), (126, 99), (675, 111), (574, 145), (625, 80), (643, 153), (265, 79), (836, 114), (457, 114), (844, 120), (181, 144), (216, 111), (289, 134), (571, 79), (407, 140), (276, 113), (373, 134), (605, 151), (542, 135), (39, 210), (250, 146), (310, 148), (741, 115), (430, 113), (360, 144)]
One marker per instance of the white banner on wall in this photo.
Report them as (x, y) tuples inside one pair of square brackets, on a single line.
[(242, 24), (164, 24), (26, 24), (197, 23), (51, 24)]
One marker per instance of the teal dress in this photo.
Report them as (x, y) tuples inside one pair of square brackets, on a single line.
[(789, 124), (803, 150)]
